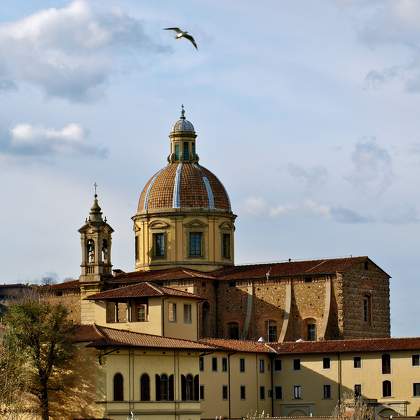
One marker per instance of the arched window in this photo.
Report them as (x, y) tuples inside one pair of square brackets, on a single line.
[(233, 330), (386, 388), (105, 251), (164, 387), (145, 387), (196, 387), (386, 363), (118, 387), (90, 250), (189, 388)]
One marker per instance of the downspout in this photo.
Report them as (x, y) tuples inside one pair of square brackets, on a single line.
[(230, 414), (339, 379), (272, 383), (175, 382), (162, 310), (216, 310), (256, 374)]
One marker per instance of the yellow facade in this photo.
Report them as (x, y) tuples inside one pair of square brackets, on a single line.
[(176, 226), (342, 376), (132, 364)]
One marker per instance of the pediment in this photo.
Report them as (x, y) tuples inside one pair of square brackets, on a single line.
[(226, 226), (196, 223), (158, 224)]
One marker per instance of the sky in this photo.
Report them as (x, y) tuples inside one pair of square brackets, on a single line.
[(308, 112)]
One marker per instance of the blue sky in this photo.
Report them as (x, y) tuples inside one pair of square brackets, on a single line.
[(307, 111)]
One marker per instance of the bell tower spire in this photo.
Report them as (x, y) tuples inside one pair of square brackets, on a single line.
[(182, 137), (96, 239)]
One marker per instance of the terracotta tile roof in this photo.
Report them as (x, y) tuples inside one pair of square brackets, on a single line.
[(290, 268), (346, 346), (177, 273), (66, 285), (158, 193), (104, 337), (144, 289), (246, 346), (86, 334)]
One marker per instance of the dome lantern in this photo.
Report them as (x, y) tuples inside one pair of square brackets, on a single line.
[(182, 138)]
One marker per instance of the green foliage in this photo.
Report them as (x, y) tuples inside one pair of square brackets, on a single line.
[(38, 340)]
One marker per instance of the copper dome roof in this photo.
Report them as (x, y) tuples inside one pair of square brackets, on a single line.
[(184, 185)]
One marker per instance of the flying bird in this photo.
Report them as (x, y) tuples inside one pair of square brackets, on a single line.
[(182, 34)]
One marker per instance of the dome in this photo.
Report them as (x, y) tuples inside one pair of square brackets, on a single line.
[(184, 185), (183, 125)]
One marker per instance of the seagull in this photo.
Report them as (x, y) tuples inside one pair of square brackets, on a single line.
[(182, 34)]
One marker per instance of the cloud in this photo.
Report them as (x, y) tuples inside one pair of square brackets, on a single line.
[(311, 177), (257, 206), (70, 52), (396, 24), (372, 168), (344, 215), (31, 140)]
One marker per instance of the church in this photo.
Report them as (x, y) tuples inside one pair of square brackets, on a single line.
[(190, 334)]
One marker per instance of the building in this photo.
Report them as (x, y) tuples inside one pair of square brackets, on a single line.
[(192, 335)]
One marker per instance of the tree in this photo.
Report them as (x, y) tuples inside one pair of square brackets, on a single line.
[(38, 341)]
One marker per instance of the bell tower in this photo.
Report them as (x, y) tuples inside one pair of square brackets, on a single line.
[(96, 240)]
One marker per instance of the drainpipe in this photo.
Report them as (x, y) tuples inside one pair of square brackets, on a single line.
[(272, 382), (257, 382), (339, 379), (230, 414)]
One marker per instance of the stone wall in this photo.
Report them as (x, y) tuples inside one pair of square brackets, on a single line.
[(360, 282)]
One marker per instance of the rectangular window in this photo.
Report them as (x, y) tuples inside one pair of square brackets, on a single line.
[(171, 312), (242, 365), (311, 332), (297, 392), (177, 152), (386, 363), (201, 363), (262, 393), (187, 313), (277, 365), (193, 150), (416, 359), (416, 389), (326, 362), (196, 239), (262, 365), (272, 331), (111, 312), (137, 248), (159, 245), (243, 392), (141, 313), (357, 390), (278, 392), (226, 245), (327, 392), (224, 364), (201, 392), (225, 392), (296, 364), (357, 362), (214, 364), (186, 154), (367, 309)]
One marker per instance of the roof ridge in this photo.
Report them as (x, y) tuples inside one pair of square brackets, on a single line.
[(151, 335), (155, 287)]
